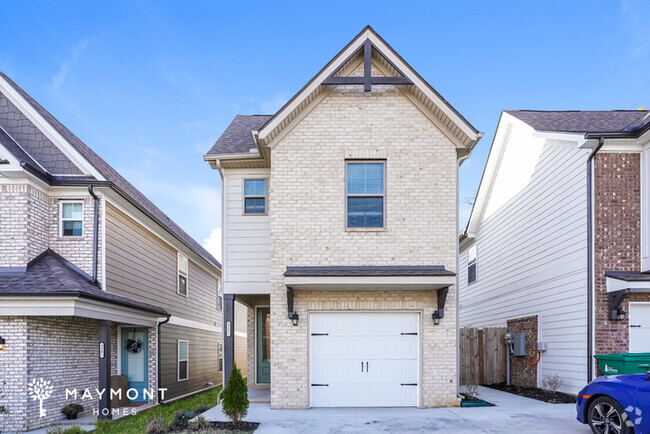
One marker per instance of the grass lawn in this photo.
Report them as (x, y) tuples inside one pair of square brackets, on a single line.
[(138, 422)]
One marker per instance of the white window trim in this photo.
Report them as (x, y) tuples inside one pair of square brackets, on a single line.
[(178, 361), (219, 294), (61, 219), (266, 195), (475, 247), (187, 276), (384, 196)]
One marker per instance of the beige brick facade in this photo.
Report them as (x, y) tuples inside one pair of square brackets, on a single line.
[(307, 207)]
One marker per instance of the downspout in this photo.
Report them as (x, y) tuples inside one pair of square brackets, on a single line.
[(460, 161), (158, 357), (590, 261), (95, 231)]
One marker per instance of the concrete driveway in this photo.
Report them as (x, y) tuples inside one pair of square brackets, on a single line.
[(512, 414)]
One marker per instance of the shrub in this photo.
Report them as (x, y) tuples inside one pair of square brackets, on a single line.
[(200, 424), (72, 409), (235, 396), (552, 383), (201, 409), (180, 421), (74, 429), (157, 425)]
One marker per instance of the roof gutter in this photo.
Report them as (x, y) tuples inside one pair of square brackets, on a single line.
[(590, 259)]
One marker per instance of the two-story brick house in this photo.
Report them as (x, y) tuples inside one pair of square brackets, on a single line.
[(340, 235), (558, 245), (95, 280)]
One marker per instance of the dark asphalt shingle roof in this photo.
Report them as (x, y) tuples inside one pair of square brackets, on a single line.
[(629, 276), (19, 153), (238, 137), (582, 121), (51, 275), (393, 270), (113, 176)]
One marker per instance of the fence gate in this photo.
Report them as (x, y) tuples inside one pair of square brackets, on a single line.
[(482, 355)]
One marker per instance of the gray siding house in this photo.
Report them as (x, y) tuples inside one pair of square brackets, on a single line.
[(96, 282)]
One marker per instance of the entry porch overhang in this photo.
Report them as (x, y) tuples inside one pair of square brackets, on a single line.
[(368, 278), (622, 283)]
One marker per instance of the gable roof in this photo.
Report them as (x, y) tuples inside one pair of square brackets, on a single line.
[(51, 275), (115, 180), (236, 136), (581, 121)]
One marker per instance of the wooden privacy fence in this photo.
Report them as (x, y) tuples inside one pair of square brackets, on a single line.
[(482, 355)]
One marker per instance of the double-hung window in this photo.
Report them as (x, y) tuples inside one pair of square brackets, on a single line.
[(471, 264), (182, 272), (365, 194), (71, 219), (255, 196), (219, 295), (183, 360)]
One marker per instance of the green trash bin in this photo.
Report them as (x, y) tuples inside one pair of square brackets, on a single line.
[(624, 363)]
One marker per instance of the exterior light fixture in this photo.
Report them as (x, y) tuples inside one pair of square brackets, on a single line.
[(436, 318), (294, 318), (620, 314), (2, 343)]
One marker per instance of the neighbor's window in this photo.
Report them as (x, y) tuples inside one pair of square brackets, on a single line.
[(182, 268), (220, 356), (219, 295), (72, 219), (255, 196), (365, 193), (471, 264), (183, 360)]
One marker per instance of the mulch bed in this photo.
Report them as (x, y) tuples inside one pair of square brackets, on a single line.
[(535, 393)]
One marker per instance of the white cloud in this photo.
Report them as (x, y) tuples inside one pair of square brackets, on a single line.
[(75, 52), (274, 104), (213, 243)]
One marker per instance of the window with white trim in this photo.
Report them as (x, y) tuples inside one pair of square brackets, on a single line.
[(183, 360), (471, 264), (220, 356), (255, 196), (71, 218), (182, 266), (219, 295), (365, 194)]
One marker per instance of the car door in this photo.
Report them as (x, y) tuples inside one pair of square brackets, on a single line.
[(641, 413)]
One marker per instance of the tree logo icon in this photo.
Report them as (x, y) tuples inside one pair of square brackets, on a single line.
[(41, 390)]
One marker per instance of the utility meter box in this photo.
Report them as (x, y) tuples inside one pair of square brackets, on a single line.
[(519, 344)]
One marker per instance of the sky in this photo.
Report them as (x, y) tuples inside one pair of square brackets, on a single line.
[(150, 86)]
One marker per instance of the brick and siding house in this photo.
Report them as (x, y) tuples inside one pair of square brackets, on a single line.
[(96, 282), (340, 235), (558, 245)]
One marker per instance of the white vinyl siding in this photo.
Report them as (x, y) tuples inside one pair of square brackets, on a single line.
[(246, 242), (533, 262)]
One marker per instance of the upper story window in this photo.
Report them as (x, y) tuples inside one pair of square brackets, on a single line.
[(182, 266), (219, 295), (471, 264), (365, 194), (71, 218), (255, 196)]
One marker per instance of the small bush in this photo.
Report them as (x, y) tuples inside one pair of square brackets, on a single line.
[(201, 409), (200, 424), (157, 425), (74, 429), (180, 422), (552, 383), (235, 396), (72, 409)]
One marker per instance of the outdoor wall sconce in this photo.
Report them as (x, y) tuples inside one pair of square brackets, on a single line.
[(293, 316), (620, 314), (2, 343), (441, 294), (436, 318), (614, 300)]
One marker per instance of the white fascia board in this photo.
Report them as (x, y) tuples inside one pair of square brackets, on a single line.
[(238, 156), (247, 288), (396, 60), (50, 132), (75, 306), (175, 320), (614, 284), (368, 283)]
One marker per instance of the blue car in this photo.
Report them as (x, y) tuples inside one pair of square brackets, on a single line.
[(616, 404)]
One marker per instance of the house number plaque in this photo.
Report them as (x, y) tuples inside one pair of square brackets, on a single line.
[(101, 350), (227, 328)]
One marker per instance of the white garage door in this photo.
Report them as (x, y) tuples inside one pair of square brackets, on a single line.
[(639, 327), (364, 359)]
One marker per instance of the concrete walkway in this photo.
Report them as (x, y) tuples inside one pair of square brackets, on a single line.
[(512, 414)]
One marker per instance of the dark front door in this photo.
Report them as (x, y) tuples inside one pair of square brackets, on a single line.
[(263, 339), (135, 361)]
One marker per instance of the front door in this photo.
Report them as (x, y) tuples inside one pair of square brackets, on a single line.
[(263, 339), (134, 359)]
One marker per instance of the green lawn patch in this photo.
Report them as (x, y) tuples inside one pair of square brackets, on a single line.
[(138, 422)]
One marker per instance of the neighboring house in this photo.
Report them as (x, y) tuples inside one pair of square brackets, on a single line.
[(340, 235), (94, 279), (525, 254)]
